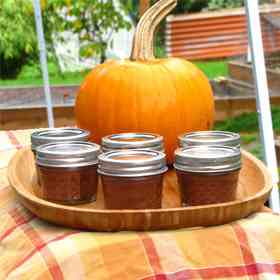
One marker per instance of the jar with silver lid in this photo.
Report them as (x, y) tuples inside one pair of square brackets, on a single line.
[(46, 136), (122, 141), (207, 174), (132, 179), (67, 172), (210, 138)]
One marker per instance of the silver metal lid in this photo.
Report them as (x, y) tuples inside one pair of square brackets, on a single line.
[(67, 154), (132, 163), (208, 159), (58, 135), (208, 138), (132, 141)]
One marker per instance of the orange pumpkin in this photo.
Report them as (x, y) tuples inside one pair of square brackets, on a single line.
[(165, 96)]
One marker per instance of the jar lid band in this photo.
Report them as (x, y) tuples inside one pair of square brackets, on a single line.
[(132, 141), (208, 138), (67, 154), (208, 159), (46, 136), (132, 163)]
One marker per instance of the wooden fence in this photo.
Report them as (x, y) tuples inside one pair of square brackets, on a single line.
[(221, 34)]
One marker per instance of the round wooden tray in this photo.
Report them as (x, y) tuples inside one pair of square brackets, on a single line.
[(253, 190)]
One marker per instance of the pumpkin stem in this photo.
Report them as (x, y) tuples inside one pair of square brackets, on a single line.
[(143, 42)]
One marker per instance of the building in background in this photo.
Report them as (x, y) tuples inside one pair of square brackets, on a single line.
[(68, 50)]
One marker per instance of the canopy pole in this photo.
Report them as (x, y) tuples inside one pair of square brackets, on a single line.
[(43, 60), (262, 97)]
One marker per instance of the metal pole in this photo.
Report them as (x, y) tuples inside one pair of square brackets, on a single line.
[(262, 96), (43, 60), (249, 54)]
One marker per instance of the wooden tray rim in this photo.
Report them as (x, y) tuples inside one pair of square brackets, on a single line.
[(267, 188)]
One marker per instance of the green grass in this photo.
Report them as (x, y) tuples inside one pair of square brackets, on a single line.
[(257, 151), (66, 79), (248, 122), (213, 69), (31, 75), (248, 138)]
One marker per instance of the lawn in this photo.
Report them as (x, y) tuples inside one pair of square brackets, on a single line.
[(65, 79), (31, 74), (248, 122), (213, 69)]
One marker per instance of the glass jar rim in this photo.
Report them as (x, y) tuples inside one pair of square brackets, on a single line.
[(149, 163), (67, 154), (212, 137), (119, 141), (208, 159), (49, 135)]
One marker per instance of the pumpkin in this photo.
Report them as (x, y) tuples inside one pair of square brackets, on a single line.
[(143, 94)]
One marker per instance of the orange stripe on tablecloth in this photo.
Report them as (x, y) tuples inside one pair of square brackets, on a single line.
[(40, 244), (13, 139), (228, 272), (245, 249), (21, 221), (152, 256), (33, 252), (244, 244)]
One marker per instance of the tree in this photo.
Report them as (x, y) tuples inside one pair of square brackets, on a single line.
[(18, 41), (222, 4), (94, 21)]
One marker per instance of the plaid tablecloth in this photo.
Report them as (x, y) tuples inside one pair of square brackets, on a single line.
[(33, 249)]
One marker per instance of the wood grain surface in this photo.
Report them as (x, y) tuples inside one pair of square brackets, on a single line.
[(253, 190)]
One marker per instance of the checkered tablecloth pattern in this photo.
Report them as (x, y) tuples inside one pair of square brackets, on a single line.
[(33, 249)]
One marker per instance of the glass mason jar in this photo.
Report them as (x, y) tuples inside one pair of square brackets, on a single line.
[(210, 138), (129, 141), (46, 136), (207, 174), (132, 179), (67, 172)]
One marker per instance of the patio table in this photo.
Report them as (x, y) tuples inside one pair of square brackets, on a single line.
[(33, 249)]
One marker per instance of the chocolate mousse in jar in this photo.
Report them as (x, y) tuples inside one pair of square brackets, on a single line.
[(132, 141), (210, 138), (67, 172), (207, 174), (132, 179), (52, 135)]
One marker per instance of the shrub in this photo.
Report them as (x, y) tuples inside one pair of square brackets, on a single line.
[(220, 4), (223, 4), (17, 36)]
